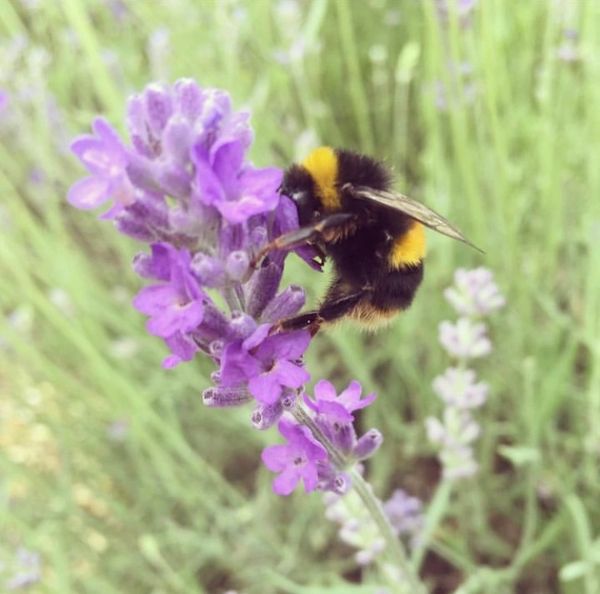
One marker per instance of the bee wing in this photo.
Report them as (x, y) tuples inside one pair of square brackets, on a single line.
[(409, 207)]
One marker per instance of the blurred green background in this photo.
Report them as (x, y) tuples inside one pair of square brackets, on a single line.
[(111, 468)]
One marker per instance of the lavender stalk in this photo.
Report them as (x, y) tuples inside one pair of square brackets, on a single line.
[(474, 296), (184, 187)]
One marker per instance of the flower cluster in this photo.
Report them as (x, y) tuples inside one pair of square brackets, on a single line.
[(184, 186), (305, 458), (473, 296), (404, 512)]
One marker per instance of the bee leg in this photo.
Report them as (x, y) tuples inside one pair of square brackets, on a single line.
[(332, 309), (323, 231)]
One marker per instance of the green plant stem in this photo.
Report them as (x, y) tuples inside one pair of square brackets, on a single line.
[(363, 489), (435, 512)]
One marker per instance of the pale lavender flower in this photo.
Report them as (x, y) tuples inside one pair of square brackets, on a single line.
[(27, 570), (569, 51), (465, 339), (3, 100), (458, 387), (462, 8), (404, 512), (474, 293), (118, 430), (105, 157)]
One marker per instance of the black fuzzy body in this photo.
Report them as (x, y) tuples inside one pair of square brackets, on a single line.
[(360, 253)]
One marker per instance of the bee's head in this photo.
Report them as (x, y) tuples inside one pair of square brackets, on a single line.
[(299, 185)]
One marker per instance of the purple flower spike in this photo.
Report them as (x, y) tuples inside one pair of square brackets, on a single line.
[(297, 461), (338, 408), (106, 159)]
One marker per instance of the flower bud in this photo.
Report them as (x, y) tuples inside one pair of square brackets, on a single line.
[(289, 302), (368, 444), (225, 397), (266, 415), (237, 264)]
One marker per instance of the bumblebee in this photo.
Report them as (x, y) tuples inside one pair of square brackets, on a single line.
[(375, 236)]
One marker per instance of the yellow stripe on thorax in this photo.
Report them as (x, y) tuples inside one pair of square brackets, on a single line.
[(322, 164), (409, 248)]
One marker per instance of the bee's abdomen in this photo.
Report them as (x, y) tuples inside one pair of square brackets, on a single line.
[(397, 289), (409, 247)]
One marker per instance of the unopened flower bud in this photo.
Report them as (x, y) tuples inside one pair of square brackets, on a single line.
[(225, 397), (368, 444), (237, 264)]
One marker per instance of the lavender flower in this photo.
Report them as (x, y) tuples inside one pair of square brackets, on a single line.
[(473, 295), (458, 387), (105, 158), (184, 185), (338, 408), (334, 416), (404, 512), (267, 363), (465, 339), (296, 461), (27, 570)]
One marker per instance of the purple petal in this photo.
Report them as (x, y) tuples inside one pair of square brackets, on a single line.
[(89, 192), (310, 477), (226, 158), (207, 186), (265, 387), (276, 457), (262, 183), (157, 265), (109, 138), (286, 482), (155, 299), (288, 345), (239, 211), (237, 365), (288, 429), (324, 390), (290, 375), (257, 337), (176, 318)]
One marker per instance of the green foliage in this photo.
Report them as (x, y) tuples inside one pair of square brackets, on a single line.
[(481, 118)]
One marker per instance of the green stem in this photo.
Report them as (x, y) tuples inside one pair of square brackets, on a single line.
[(435, 512), (363, 489)]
